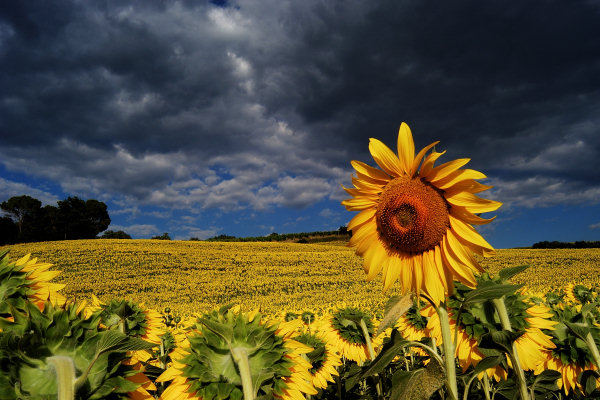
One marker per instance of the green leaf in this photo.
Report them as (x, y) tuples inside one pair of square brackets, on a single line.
[(487, 363), (588, 381), (38, 381), (389, 350), (546, 381), (579, 329), (499, 340), (352, 376), (224, 331), (395, 307), (114, 340), (507, 273), (489, 292), (116, 384), (419, 384)]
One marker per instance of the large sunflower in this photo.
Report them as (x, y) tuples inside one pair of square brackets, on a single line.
[(415, 220), (205, 365)]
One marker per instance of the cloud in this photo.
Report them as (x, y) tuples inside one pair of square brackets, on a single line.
[(136, 230), (11, 189), (541, 191), (595, 226), (263, 103)]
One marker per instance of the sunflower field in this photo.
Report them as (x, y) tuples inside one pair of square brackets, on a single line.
[(453, 318)]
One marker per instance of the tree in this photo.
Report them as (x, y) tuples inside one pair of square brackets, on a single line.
[(9, 232), (22, 209), (164, 236), (115, 235), (80, 219)]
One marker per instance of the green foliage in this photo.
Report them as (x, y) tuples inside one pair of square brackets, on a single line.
[(74, 218), (30, 344), (115, 235), (212, 370)]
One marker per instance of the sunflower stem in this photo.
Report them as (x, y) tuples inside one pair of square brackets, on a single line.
[(486, 387), (240, 356), (448, 346), (589, 339), (514, 355), (65, 376), (365, 331)]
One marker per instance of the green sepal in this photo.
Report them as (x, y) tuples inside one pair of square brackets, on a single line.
[(489, 290), (587, 379), (499, 340), (507, 273), (488, 362), (546, 381)]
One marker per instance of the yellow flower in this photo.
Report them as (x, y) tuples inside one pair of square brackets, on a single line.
[(569, 371), (204, 363), (38, 279), (323, 358), (342, 330), (415, 220)]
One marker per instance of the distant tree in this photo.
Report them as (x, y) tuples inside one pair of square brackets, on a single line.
[(343, 230), (22, 210), (194, 239), (115, 235), (9, 232), (164, 236), (80, 219)]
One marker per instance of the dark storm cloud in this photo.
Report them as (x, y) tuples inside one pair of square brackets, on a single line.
[(260, 103)]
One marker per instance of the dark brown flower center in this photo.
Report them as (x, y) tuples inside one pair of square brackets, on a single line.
[(412, 215)]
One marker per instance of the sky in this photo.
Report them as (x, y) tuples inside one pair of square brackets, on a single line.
[(201, 118)]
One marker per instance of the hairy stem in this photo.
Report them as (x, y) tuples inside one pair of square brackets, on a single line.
[(65, 376), (448, 346), (240, 356), (514, 355)]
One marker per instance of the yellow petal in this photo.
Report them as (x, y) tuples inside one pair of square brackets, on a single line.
[(362, 217), (385, 158), (428, 163), (433, 281), (461, 272), (457, 177), (392, 269), (472, 203), (375, 259), (372, 173), (406, 149), (467, 233), (461, 253), (446, 169), (359, 203), (468, 185), (468, 217), (419, 157)]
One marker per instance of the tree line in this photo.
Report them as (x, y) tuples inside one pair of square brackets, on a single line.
[(302, 237), (566, 245), (25, 220)]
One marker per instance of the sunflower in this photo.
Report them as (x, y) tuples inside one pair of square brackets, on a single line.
[(570, 355), (578, 294), (205, 366), (323, 358), (27, 280), (342, 330), (466, 350), (132, 319), (415, 221)]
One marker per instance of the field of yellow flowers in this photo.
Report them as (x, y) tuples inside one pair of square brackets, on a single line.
[(192, 277)]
